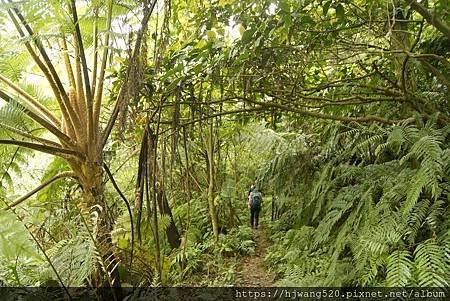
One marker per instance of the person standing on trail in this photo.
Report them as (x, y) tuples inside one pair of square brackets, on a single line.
[(251, 189), (249, 193), (254, 204)]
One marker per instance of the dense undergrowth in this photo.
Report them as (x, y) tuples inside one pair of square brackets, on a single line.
[(201, 262), (355, 207), (339, 110), (376, 214)]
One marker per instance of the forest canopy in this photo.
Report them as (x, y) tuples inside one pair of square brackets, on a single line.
[(131, 131)]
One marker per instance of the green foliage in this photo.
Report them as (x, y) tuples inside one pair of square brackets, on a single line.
[(11, 115), (217, 259), (398, 269), (57, 190), (431, 264), (379, 209), (239, 240), (360, 202), (20, 260), (74, 258)]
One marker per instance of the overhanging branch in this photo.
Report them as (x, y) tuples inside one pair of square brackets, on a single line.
[(31, 101), (266, 106), (28, 135), (438, 24), (365, 119)]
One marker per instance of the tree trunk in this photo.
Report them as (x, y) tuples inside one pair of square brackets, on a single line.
[(211, 205), (173, 236), (273, 208), (401, 41), (107, 274)]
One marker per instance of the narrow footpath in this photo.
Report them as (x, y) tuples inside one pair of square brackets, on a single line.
[(253, 272)]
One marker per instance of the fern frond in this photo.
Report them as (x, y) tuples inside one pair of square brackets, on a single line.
[(12, 115), (399, 267), (417, 218), (430, 265), (417, 185), (435, 212)]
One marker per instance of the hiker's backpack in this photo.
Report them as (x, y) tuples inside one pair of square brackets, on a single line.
[(256, 200)]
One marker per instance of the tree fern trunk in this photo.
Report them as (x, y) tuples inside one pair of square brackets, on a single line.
[(106, 273)]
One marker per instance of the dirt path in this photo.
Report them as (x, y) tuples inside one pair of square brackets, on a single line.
[(253, 272)]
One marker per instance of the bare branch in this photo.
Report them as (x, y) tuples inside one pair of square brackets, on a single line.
[(65, 52), (99, 89), (436, 72), (365, 119), (63, 101), (95, 60), (42, 51), (57, 151), (41, 120), (207, 117), (31, 101), (29, 136), (87, 85), (18, 201)]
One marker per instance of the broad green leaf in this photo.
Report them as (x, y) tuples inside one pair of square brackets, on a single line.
[(247, 36)]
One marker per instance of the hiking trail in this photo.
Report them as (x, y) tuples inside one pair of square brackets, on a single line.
[(253, 273)]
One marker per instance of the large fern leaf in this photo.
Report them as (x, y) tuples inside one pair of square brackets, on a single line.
[(399, 269)]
